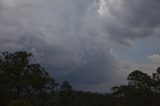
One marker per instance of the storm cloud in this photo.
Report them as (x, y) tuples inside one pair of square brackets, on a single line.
[(74, 39)]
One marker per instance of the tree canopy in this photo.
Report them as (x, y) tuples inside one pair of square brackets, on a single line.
[(20, 78)]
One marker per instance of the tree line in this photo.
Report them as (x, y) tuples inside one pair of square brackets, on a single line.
[(25, 83), (141, 90)]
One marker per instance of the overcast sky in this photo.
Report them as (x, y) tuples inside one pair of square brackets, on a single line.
[(93, 44)]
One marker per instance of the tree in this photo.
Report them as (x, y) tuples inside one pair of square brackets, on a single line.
[(21, 78), (139, 80), (120, 91), (66, 94), (156, 81), (66, 86), (138, 92)]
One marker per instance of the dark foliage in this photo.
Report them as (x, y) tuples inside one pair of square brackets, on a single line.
[(142, 90), (23, 83)]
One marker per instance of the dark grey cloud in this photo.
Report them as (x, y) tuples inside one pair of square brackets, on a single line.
[(132, 19), (71, 39)]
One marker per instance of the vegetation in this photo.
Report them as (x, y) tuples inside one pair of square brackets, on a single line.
[(24, 83), (142, 90)]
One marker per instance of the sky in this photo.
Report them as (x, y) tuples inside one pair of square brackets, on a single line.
[(94, 44)]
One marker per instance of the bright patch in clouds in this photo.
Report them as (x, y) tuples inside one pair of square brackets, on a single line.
[(102, 7), (155, 58)]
